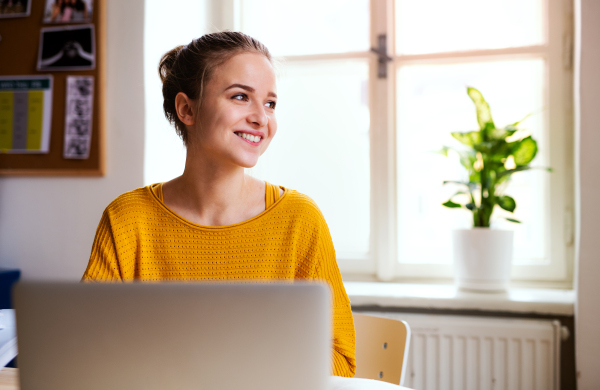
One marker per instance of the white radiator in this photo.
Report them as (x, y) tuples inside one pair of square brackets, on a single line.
[(478, 353)]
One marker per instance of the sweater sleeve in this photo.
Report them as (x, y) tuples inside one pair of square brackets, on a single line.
[(103, 265), (344, 362)]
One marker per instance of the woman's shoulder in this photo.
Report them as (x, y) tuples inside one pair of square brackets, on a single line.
[(299, 198), (302, 212), (302, 204), (140, 199)]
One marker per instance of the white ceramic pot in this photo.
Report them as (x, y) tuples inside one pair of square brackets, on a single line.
[(482, 258)]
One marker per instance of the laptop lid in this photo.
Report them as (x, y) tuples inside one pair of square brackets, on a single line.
[(173, 336)]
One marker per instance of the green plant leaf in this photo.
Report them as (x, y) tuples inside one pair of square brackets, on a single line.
[(455, 182), (524, 151), (507, 203), (517, 123), (443, 151), (470, 138), (503, 176), (467, 160), (451, 204), (500, 151), (484, 114), (511, 171), (512, 220), (502, 134), (485, 147), (475, 178)]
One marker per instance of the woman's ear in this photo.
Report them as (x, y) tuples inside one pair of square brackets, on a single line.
[(185, 109)]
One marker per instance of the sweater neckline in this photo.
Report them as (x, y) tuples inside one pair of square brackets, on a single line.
[(173, 214)]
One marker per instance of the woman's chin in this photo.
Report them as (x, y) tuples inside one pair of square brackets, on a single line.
[(247, 162)]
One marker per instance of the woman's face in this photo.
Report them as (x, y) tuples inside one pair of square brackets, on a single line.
[(237, 117)]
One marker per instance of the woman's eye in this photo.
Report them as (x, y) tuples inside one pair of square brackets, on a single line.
[(271, 105), (240, 96)]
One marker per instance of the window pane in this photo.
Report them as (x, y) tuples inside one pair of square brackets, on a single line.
[(322, 145), (432, 102), (433, 26), (290, 27)]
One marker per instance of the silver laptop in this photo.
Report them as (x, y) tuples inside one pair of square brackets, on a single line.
[(173, 336)]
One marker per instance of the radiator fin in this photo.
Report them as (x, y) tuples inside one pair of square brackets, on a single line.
[(474, 353)]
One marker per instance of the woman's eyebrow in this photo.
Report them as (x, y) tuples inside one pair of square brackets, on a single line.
[(249, 89)]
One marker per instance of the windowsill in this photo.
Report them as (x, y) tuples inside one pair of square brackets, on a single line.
[(431, 296)]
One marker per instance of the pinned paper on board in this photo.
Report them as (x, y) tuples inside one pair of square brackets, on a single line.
[(74, 11), (25, 114), (78, 117), (67, 48), (15, 8)]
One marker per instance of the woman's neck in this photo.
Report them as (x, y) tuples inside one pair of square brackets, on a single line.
[(213, 194)]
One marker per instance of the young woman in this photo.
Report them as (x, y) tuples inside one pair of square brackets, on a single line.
[(214, 222)]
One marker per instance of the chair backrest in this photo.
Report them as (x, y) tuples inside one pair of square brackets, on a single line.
[(381, 348)]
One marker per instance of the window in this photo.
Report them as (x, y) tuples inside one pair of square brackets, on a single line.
[(520, 60), (322, 147), (360, 145)]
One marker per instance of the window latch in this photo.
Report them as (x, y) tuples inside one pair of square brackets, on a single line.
[(383, 58)]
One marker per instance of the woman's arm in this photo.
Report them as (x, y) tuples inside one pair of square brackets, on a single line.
[(103, 265), (344, 363)]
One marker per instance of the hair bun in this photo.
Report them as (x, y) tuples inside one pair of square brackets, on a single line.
[(167, 61)]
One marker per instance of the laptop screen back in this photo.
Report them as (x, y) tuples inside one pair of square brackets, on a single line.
[(173, 336)]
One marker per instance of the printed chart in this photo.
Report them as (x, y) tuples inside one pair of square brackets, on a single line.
[(25, 114)]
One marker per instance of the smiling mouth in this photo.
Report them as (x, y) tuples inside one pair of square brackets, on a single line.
[(249, 137)]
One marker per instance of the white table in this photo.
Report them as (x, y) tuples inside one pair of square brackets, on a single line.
[(9, 380), (339, 383)]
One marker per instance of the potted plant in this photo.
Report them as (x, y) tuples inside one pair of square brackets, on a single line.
[(483, 256)]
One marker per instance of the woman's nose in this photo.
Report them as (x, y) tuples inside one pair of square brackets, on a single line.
[(258, 116)]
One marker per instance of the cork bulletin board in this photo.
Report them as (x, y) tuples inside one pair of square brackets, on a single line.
[(19, 51)]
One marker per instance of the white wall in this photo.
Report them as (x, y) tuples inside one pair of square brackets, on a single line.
[(47, 225), (588, 143)]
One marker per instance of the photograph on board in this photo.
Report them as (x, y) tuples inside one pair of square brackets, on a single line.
[(15, 8), (67, 48), (78, 117), (68, 11)]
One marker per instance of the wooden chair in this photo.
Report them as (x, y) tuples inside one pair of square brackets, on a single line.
[(381, 348)]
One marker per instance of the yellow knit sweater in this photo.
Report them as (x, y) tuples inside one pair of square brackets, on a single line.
[(139, 238)]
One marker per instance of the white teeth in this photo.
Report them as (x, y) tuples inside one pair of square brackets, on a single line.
[(249, 137)]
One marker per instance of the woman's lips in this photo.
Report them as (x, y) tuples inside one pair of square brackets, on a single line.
[(250, 142), (253, 140)]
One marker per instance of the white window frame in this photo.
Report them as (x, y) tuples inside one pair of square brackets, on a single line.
[(557, 52), (382, 260)]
